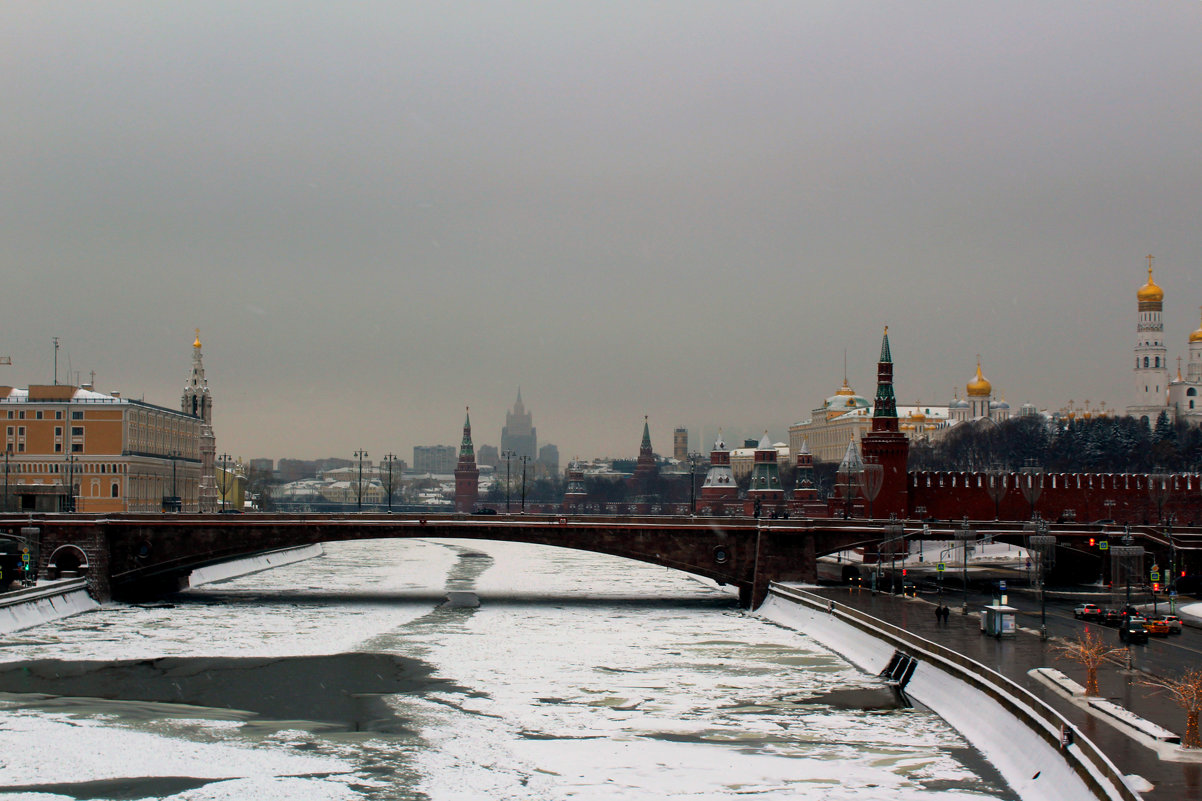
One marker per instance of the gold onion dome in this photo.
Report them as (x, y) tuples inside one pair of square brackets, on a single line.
[(1196, 336), (1150, 292), (979, 387)]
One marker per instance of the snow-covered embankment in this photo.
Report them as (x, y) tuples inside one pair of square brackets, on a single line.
[(49, 600), (253, 564), (1013, 729)]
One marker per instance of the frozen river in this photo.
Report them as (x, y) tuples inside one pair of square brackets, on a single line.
[(578, 677)]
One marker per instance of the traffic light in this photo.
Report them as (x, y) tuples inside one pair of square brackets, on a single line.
[(1092, 542), (1155, 586)]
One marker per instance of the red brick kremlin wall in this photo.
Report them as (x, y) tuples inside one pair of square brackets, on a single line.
[(951, 495)]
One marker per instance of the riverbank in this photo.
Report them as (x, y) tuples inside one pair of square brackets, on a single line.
[(1015, 731), (44, 602)]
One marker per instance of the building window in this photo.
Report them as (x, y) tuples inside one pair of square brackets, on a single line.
[(21, 415), (37, 415), (116, 490), (58, 447), (76, 415), (1145, 361), (20, 447), (77, 431), (58, 414), (76, 447)]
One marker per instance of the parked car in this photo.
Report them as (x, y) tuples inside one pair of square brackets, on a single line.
[(1157, 626), (1087, 612), (1132, 630)]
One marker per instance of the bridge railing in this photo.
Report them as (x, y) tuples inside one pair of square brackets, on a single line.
[(1086, 759)]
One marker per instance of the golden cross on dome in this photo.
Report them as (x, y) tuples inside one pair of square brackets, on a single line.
[(196, 344), (1150, 257)]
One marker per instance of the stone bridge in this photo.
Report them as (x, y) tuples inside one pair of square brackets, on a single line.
[(143, 555)]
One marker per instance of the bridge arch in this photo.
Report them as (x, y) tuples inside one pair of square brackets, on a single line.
[(67, 561)]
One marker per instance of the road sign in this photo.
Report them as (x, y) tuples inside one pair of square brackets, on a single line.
[(1154, 577), (941, 567), (25, 557), (1001, 585), (1103, 546)]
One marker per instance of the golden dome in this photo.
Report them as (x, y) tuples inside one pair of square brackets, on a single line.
[(979, 387), (1149, 292), (1196, 336), (196, 344), (845, 389)]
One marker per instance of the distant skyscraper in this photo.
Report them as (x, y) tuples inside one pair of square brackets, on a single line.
[(680, 444), (519, 434), (434, 458), (548, 458), (488, 455)]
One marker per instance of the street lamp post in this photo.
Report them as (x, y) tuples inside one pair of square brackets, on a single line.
[(524, 458), (508, 456), (965, 533), (70, 482), (1043, 545), (693, 457), (390, 460), (225, 478), (175, 504), (8, 449), (360, 455)]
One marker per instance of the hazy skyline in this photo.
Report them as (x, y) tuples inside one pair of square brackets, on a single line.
[(379, 214)]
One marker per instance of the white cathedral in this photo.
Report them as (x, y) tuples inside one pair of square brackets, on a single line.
[(1155, 392)]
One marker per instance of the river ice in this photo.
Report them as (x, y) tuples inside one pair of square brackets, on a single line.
[(578, 676)]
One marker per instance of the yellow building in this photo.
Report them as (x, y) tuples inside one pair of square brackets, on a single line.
[(70, 448)]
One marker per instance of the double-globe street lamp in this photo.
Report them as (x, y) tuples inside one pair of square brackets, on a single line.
[(390, 461), (360, 455), (225, 479), (508, 457), (1042, 544)]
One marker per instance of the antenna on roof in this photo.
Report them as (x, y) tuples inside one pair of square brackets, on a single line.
[(55, 360)]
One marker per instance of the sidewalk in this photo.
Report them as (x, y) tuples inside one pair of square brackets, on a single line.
[(1174, 781)]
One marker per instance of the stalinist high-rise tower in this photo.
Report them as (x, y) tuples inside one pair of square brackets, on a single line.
[(1151, 355)]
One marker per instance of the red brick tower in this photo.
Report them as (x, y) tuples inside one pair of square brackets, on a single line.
[(765, 496), (719, 493), (576, 495), (645, 469), (467, 476), (885, 444), (805, 495)]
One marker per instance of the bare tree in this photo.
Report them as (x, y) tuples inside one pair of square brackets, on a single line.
[(1091, 653), (1186, 691)]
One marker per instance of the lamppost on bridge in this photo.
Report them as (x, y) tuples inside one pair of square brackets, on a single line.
[(508, 456), (524, 458), (1043, 545), (896, 531), (70, 482), (360, 455), (1171, 584), (693, 459), (225, 479), (390, 460), (964, 534), (8, 449), (175, 501)]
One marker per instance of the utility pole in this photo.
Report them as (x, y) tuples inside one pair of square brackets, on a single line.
[(55, 339)]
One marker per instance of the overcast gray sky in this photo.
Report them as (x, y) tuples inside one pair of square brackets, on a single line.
[(378, 213)]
